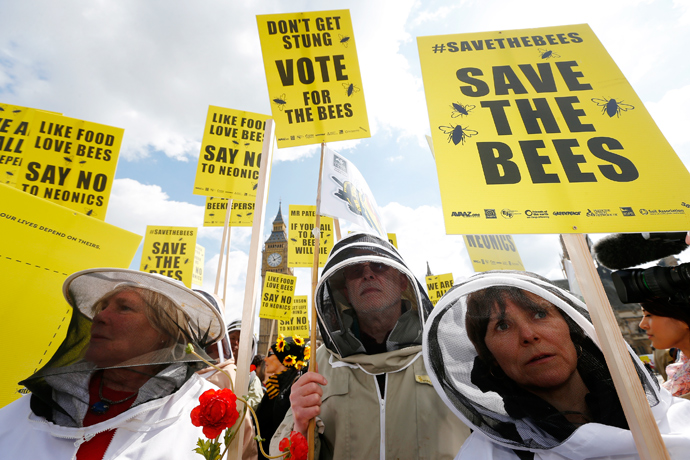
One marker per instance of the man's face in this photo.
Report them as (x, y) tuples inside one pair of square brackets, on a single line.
[(234, 338), (373, 287)]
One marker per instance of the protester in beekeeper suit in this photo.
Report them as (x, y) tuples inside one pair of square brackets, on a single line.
[(120, 385), (372, 395), (517, 359)]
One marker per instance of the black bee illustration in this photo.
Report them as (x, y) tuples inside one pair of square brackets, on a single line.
[(146, 266), (180, 239), (457, 134), (246, 144), (294, 239), (351, 89), (149, 257), (211, 214), (89, 212), (235, 142), (547, 54), (249, 214), (280, 101), (68, 159), (460, 110), (612, 107), (239, 215), (186, 261), (255, 186), (344, 40)]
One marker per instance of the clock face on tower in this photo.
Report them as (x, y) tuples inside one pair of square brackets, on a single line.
[(275, 259)]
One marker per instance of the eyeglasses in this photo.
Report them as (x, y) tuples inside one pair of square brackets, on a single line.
[(357, 271)]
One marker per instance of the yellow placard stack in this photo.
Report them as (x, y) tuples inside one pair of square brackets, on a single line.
[(298, 324)]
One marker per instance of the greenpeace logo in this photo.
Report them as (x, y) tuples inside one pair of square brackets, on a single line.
[(465, 214), (567, 213), (532, 214)]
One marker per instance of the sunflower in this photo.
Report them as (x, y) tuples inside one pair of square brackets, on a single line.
[(280, 343), (300, 364), (299, 341), (307, 353), (289, 360)]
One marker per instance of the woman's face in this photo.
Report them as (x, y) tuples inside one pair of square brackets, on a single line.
[(121, 331), (273, 365), (533, 348), (665, 332)]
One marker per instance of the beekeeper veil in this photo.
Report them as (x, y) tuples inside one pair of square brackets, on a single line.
[(473, 377), (97, 338), (365, 275)]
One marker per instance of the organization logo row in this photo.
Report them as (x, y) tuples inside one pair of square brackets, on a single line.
[(542, 214)]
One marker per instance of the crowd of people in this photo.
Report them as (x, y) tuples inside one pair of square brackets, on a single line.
[(506, 366)]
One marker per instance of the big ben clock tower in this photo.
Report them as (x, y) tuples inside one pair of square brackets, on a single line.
[(274, 259)]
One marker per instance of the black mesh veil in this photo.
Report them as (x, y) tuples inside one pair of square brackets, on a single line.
[(177, 315), (341, 288), (473, 382)]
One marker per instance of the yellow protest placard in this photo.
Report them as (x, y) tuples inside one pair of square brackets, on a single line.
[(392, 239), (538, 131), (42, 243), (493, 252), (15, 125), (437, 285), (301, 240), (278, 292), (230, 156), (70, 162), (313, 77), (298, 324), (242, 212), (198, 272), (170, 251)]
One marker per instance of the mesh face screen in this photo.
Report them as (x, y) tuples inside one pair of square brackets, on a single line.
[(498, 344)]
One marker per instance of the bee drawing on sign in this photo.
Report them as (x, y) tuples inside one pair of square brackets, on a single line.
[(294, 239), (239, 215), (350, 89), (68, 159), (249, 214), (186, 261), (460, 110), (14, 111), (89, 212), (457, 134), (612, 107), (146, 266), (280, 102), (547, 54), (9, 177), (180, 239), (255, 186), (235, 142), (344, 40)]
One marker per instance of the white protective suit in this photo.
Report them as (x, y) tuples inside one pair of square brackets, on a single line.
[(490, 410)]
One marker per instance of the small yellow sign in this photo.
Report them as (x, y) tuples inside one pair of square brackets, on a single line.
[(538, 131), (70, 162), (493, 252), (278, 292), (437, 285), (298, 324), (170, 251), (42, 243), (242, 212), (230, 156), (301, 239), (198, 273), (392, 239), (15, 125), (313, 77)]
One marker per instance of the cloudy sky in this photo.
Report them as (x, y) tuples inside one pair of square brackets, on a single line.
[(154, 67)]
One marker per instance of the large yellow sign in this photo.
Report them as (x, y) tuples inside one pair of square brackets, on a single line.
[(493, 252), (538, 131), (301, 239), (170, 251), (278, 292), (70, 162), (242, 212), (15, 125), (298, 324), (313, 77), (42, 243), (437, 285), (230, 156)]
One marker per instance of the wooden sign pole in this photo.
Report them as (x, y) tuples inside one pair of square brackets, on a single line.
[(222, 246), (252, 286), (641, 421)]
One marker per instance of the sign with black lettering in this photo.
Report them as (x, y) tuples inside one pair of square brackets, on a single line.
[(393, 239), (313, 77), (242, 212), (70, 162), (493, 252), (437, 285), (230, 156), (276, 300), (301, 237), (15, 125), (538, 131), (198, 271), (298, 324), (170, 251)]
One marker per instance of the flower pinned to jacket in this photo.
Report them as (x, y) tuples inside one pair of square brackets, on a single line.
[(300, 364), (299, 341), (307, 353), (217, 410), (289, 360), (280, 343), (294, 446)]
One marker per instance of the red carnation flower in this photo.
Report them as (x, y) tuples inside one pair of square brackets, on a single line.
[(295, 446), (217, 410)]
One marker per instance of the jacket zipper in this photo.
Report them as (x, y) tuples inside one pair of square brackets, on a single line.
[(382, 415)]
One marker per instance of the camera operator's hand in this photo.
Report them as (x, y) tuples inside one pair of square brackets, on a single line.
[(305, 399)]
